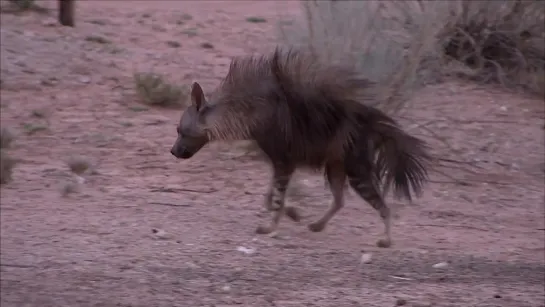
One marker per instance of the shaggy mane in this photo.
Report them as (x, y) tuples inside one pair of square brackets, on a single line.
[(290, 90)]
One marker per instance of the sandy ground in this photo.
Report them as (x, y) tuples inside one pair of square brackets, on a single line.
[(484, 216)]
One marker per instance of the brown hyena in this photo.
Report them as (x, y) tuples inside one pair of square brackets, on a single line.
[(304, 114)]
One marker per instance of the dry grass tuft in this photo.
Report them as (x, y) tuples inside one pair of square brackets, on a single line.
[(154, 90), (404, 45), (27, 5), (78, 165), (69, 188)]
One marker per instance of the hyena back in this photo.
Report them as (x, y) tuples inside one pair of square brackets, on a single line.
[(304, 114)]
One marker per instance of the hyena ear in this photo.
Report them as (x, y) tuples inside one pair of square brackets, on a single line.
[(197, 96)]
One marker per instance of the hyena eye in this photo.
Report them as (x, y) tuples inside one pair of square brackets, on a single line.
[(179, 131)]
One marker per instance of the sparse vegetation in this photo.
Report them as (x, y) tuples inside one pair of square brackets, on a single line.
[(154, 90), (7, 163), (23, 4), (174, 44), (27, 5), (31, 128), (498, 41), (138, 108), (158, 28), (99, 22), (207, 45), (191, 32), (186, 17), (406, 44), (78, 165), (97, 39), (68, 188), (38, 113), (255, 19)]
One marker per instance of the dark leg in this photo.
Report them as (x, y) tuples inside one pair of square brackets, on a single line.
[(66, 12), (276, 196), (336, 178), (363, 185)]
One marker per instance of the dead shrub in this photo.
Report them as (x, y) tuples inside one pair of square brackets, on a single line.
[(404, 45), (154, 90), (376, 37), (499, 41)]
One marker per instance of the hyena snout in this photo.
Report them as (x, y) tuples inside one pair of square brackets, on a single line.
[(181, 152), (186, 148)]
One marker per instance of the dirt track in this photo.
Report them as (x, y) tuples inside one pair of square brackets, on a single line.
[(96, 247)]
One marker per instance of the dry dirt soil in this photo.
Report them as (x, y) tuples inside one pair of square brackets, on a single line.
[(66, 93)]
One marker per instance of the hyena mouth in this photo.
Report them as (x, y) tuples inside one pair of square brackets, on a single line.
[(186, 155)]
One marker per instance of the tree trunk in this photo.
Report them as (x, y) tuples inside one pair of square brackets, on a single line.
[(66, 12)]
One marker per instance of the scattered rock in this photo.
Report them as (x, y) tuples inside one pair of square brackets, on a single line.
[(440, 265), (49, 23), (192, 265), (159, 233), (247, 251), (226, 288), (79, 179), (84, 79), (275, 235), (365, 258), (400, 277), (401, 302)]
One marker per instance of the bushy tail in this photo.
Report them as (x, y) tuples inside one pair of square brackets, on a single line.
[(401, 159)]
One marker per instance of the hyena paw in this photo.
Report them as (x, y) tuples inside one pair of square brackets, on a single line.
[(316, 226), (293, 213), (384, 243), (263, 230)]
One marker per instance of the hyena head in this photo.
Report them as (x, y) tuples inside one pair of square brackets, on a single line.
[(191, 130)]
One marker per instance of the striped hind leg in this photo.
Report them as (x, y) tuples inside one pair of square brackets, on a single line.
[(366, 189), (275, 199), (336, 178)]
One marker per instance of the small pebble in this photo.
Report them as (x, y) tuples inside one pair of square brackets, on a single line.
[(440, 265), (247, 251), (84, 79), (49, 23), (80, 179), (192, 265), (159, 233), (365, 258)]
